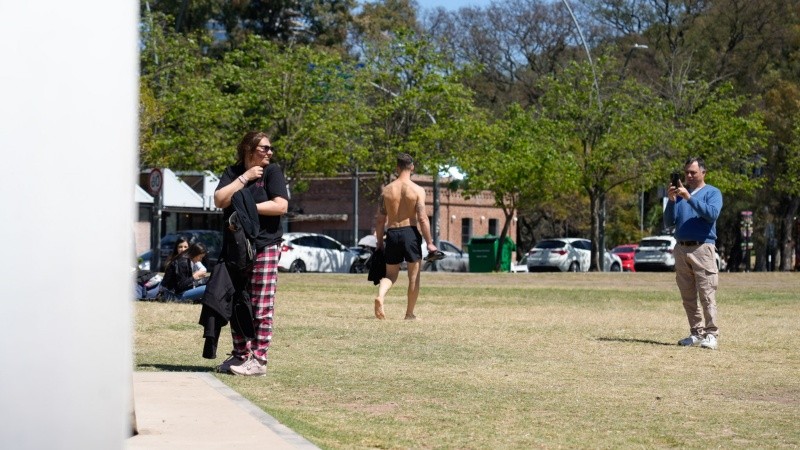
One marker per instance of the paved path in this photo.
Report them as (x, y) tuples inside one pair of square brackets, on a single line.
[(190, 410)]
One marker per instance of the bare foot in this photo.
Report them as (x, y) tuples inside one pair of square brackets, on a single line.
[(411, 317), (379, 308)]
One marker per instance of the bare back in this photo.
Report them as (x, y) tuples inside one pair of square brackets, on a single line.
[(403, 202)]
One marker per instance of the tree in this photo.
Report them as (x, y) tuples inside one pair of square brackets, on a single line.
[(517, 160), (418, 106), (322, 23), (306, 98), (782, 171), (184, 116), (615, 130), (513, 44)]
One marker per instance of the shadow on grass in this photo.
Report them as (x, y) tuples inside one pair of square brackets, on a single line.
[(174, 368), (638, 341)]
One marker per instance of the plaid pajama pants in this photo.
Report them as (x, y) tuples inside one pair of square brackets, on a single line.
[(262, 287)]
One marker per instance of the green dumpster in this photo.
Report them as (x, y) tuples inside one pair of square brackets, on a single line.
[(483, 253)]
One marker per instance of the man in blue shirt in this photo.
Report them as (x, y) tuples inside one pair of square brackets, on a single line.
[(693, 209)]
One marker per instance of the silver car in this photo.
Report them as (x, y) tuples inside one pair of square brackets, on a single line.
[(655, 253), (456, 259), (568, 255)]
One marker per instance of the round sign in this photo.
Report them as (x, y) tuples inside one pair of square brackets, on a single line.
[(155, 181)]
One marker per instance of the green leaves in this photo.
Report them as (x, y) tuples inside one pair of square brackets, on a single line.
[(728, 136)]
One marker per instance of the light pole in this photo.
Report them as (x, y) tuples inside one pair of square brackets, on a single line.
[(602, 224), (586, 48), (602, 244)]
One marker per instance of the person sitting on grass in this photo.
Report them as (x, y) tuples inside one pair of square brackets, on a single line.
[(180, 283)]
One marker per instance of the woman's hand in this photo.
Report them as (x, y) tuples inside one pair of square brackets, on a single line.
[(254, 173)]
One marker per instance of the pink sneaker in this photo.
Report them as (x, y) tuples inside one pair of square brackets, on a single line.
[(251, 368)]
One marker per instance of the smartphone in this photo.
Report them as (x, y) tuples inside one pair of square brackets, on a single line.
[(675, 178)]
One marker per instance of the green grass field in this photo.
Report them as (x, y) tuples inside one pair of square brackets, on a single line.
[(514, 361)]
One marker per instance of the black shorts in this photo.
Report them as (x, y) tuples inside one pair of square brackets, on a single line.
[(403, 244)]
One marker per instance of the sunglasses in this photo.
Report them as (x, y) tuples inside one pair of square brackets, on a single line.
[(265, 148)]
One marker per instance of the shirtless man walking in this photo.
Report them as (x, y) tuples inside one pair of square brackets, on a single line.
[(401, 209)]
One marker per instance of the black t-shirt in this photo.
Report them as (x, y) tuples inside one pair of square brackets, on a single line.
[(271, 185)]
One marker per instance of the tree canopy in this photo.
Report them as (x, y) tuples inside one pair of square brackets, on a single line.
[(503, 92)]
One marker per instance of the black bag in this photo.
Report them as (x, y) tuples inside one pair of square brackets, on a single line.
[(240, 251), (242, 315)]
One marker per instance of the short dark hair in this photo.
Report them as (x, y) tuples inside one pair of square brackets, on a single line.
[(404, 161), (701, 164)]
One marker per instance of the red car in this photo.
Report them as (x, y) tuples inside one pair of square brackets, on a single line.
[(625, 253)]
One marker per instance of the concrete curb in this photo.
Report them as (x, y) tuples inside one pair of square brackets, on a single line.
[(196, 410)]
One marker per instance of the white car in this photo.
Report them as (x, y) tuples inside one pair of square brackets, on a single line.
[(568, 255), (655, 253), (520, 266), (313, 252)]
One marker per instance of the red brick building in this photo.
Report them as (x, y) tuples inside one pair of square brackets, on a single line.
[(329, 207)]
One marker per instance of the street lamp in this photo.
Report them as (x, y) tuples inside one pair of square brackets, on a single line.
[(586, 48), (602, 244)]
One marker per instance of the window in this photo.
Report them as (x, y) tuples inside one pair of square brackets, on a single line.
[(448, 247), (493, 227), (326, 243), (466, 230), (582, 244), (306, 241)]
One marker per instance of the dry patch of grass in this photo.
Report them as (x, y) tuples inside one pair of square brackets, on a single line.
[(514, 361)]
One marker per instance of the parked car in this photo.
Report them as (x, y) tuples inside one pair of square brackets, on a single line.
[(568, 255), (520, 266), (655, 253), (143, 260), (314, 252), (212, 239), (456, 259), (626, 253)]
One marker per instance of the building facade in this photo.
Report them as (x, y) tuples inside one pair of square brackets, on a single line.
[(342, 207), (336, 207)]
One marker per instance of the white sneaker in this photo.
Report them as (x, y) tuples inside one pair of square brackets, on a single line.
[(690, 341), (710, 342), (251, 368)]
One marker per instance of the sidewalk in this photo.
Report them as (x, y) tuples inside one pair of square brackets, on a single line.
[(191, 410)]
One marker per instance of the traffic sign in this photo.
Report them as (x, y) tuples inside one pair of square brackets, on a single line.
[(155, 181)]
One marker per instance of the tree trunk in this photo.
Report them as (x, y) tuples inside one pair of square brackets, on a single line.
[(501, 240), (787, 238), (595, 200)]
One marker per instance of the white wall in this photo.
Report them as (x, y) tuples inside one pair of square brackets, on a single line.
[(68, 89)]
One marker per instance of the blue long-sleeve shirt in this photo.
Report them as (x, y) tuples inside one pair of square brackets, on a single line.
[(695, 219)]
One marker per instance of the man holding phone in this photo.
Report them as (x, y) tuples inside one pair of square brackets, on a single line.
[(693, 209)]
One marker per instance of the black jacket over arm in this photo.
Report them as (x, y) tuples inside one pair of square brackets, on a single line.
[(228, 285)]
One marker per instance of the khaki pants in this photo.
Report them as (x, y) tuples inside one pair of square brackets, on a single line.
[(697, 276)]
